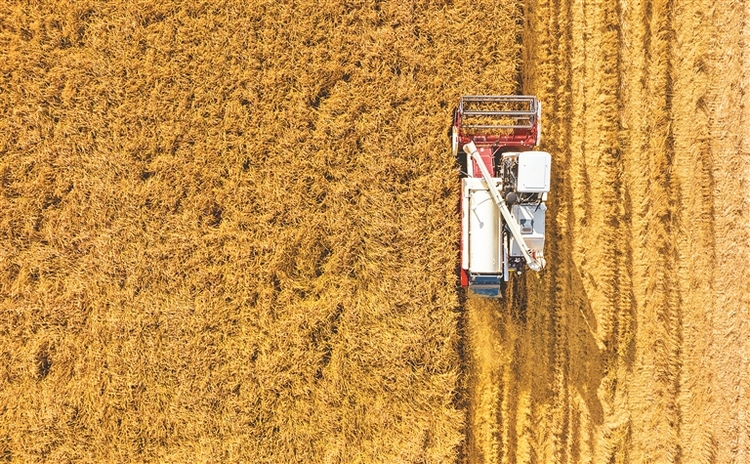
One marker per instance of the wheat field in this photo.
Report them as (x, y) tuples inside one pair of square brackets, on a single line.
[(228, 233)]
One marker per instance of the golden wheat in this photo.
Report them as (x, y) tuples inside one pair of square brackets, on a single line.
[(226, 227)]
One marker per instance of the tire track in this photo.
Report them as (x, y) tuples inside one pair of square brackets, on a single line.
[(562, 63), (486, 386), (551, 84), (728, 319), (696, 247), (561, 59), (599, 247), (744, 151), (658, 362), (548, 322)]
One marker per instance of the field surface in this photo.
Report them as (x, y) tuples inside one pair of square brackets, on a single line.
[(228, 233)]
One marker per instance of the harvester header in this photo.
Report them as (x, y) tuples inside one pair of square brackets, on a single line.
[(513, 121)]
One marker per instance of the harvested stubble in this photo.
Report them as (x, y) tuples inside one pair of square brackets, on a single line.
[(228, 228), (633, 346)]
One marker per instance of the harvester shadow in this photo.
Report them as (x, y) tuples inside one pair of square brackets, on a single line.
[(544, 364), (586, 355), (553, 362)]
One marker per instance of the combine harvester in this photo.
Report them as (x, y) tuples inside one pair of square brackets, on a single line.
[(504, 187)]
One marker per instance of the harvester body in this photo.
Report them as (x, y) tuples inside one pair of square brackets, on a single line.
[(504, 188)]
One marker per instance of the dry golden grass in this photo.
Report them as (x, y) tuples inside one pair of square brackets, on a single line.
[(228, 228)]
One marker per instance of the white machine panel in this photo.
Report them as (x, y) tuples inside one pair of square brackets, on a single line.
[(531, 221), (483, 235), (534, 171)]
